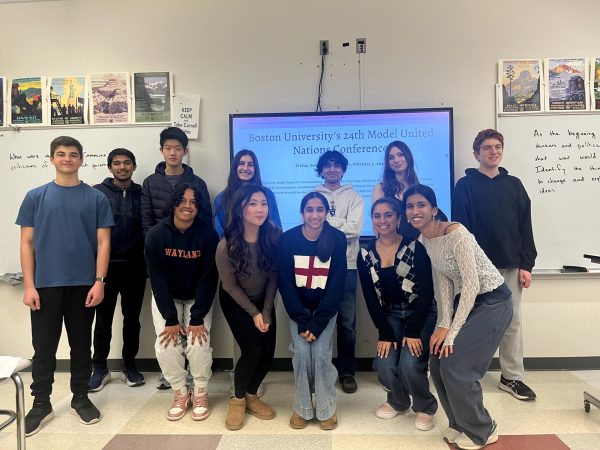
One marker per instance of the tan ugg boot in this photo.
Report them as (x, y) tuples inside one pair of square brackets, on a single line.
[(235, 415), (258, 408), (330, 423), (297, 422)]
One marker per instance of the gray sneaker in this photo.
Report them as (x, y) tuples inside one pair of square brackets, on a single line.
[(162, 383)]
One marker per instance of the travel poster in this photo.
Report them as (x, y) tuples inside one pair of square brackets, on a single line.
[(596, 83), (521, 84), (2, 101), (152, 97), (26, 101), (110, 98), (566, 84), (68, 102)]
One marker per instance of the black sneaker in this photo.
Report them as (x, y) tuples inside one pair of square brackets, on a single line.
[(132, 377), (348, 384), (517, 388), (40, 413), (100, 376), (82, 406)]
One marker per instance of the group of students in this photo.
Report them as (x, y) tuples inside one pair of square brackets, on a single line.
[(166, 228)]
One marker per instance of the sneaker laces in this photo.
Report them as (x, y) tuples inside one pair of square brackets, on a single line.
[(180, 400), (200, 400), (514, 384)]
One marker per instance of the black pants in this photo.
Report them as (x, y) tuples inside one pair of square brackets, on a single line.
[(129, 280), (58, 303), (258, 349)]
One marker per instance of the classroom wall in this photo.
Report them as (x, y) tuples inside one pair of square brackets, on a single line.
[(262, 56)]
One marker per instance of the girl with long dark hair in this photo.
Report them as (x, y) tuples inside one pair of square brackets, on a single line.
[(312, 269), (398, 172), (470, 324), (246, 260), (244, 170), (396, 280)]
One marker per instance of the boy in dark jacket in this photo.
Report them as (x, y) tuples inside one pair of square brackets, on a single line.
[(495, 207), (157, 189), (126, 272)]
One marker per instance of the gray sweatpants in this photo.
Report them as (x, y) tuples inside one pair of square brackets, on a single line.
[(456, 378), (511, 346)]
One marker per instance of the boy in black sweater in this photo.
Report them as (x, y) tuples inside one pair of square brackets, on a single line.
[(126, 272), (180, 252), (495, 207)]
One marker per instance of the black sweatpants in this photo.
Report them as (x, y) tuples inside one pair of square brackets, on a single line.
[(129, 280), (258, 349), (57, 304)]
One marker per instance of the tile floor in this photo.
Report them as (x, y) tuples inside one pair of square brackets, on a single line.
[(134, 418)]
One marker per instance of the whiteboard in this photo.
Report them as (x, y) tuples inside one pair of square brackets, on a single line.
[(557, 157), (25, 157)]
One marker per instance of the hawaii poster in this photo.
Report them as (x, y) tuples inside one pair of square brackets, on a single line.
[(110, 97), (26, 101), (521, 85), (68, 102), (566, 84), (152, 97)]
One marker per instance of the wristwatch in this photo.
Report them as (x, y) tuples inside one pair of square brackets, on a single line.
[(101, 279)]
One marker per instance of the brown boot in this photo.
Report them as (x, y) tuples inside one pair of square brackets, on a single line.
[(235, 415), (258, 408), (330, 423), (297, 422)]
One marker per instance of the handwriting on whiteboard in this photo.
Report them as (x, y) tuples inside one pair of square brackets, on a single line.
[(565, 157), (35, 161)]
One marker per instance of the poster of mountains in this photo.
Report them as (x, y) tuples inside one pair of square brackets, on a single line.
[(521, 84), (567, 84), (26, 101), (68, 100), (152, 95), (110, 97)]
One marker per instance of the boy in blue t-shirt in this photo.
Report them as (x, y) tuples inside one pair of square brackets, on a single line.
[(65, 248)]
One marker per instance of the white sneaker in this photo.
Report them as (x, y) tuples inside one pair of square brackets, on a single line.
[(450, 434), (200, 409), (181, 402), (386, 411), (424, 421), (463, 441)]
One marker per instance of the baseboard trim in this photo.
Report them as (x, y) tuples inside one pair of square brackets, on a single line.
[(365, 364)]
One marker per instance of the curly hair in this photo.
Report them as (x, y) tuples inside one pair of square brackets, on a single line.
[(391, 186), (268, 234), (489, 133)]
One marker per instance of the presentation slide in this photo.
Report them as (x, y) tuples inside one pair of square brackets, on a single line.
[(288, 147)]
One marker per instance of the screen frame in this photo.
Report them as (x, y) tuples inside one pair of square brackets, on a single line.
[(373, 112)]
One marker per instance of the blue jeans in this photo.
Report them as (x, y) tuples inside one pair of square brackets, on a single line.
[(402, 373), (346, 327), (314, 372)]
